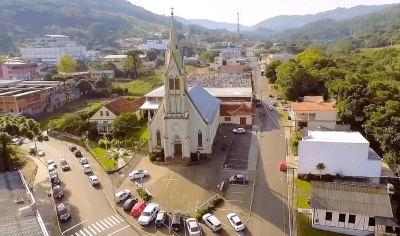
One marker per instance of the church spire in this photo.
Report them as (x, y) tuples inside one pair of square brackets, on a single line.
[(174, 54)]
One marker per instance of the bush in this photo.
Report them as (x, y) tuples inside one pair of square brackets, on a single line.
[(128, 143), (160, 159), (102, 143), (197, 215), (142, 193), (152, 157)]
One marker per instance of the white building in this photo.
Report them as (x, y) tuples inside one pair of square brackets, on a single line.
[(157, 44), (54, 40), (344, 153), (352, 209), (114, 58), (186, 122), (53, 54), (227, 50)]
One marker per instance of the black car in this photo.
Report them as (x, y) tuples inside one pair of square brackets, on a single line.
[(129, 204), (46, 138), (77, 153), (54, 180), (72, 148), (176, 223), (239, 179)]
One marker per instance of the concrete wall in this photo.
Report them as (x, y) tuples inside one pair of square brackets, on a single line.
[(236, 120), (349, 159)]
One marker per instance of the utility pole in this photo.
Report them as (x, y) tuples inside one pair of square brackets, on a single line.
[(238, 26)]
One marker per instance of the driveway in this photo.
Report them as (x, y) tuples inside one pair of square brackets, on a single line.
[(239, 149)]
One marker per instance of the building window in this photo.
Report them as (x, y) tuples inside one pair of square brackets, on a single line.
[(227, 119), (177, 84), (171, 83), (12, 110), (342, 218), (158, 138), (199, 139), (105, 122), (352, 219), (107, 113), (371, 221), (328, 216), (101, 113)]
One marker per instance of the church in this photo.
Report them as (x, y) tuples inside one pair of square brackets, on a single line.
[(186, 122)]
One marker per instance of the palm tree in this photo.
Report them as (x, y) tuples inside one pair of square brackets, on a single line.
[(320, 167)]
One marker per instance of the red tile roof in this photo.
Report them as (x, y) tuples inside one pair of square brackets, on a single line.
[(235, 110), (311, 106), (232, 69), (119, 105), (315, 99)]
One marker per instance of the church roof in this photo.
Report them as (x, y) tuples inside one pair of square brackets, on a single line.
[(206, 104), (174, 54)]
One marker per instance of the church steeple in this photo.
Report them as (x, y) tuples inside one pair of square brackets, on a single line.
[(174, 54)]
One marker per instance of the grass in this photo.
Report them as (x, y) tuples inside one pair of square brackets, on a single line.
[(143, 84), (284, 116), (303, 229), (302, 202), (142, 133), (303, 185), (108, 163)]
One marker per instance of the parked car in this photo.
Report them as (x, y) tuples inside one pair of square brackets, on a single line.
[(176, 222), (72, 148), (235, 222), (286, 108), (33, 148), (149, 213), (258, 103), (51, 163), (273, 102), (41, 153), (83, 161), (160, 219), (52, 170), (122, 195), (54, 179), (138, 208), (239, 179), (64, 164), (138, 174), (45, 138), (279, 97), (270, 108), (86, 168), (17, 141), (282, 165), (193, 227), (270, 95), (77, 153), (58, 191), (239, 131), (212, 222), (63, 212), (128, 205), (94, 180)]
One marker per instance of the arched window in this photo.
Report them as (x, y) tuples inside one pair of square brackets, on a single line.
[(199, 139), (158, 138)]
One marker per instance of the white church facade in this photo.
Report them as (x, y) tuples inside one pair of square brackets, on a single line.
[(186, 122)]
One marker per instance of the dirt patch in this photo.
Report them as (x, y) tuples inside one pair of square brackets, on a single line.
[(28, 167)]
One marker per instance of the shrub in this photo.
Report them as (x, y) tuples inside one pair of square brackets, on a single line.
[(102, 143), (142, 193), (128, 143), (153, 157), (113, 142), (160, 159), (197, 215)]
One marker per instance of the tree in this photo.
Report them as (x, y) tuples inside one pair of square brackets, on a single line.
[(66, 64), (209, 56), (270, 71), (109, 65), (320, 167), (81, 66), (132, 62), (128, 118), (102, 82), (63, 78), (5, 139), (84, 86), (303, 42), (151, 55)]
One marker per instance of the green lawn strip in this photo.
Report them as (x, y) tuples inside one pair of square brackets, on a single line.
[(304, 227), (100, 154), (303, 185), (302, 202), (284, 116), (144, 84)]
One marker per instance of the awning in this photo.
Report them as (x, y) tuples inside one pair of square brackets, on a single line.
[(150, 105)]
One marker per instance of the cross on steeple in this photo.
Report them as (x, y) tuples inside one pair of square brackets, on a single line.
[(172, 11)]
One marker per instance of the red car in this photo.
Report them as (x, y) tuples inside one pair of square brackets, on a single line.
[(282, 165), (138, 208)]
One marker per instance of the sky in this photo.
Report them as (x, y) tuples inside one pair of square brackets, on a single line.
[(251, 11)]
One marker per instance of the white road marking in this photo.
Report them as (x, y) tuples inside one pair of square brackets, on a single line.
[(105, 220), (118, 230), (80, 231), (92, 230), (240, 185), (119, 217), (228, 209), (104, 224), (87, 231), (226, 169), (169, 180), (114, 218), (234, 200), (237, 192), (111, 221), (76, 234), (94, 226), (142, 230), (100, 226), (75, 226)]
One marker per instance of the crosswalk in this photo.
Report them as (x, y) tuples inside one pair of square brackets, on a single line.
[(100, 226)]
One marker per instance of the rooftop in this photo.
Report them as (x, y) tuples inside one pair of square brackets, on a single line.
[(216, 92), (334, 137), (206, 104), (314, 99), (120, 104), (115, 57), (57, 36), (235, 110), (232, 69), (347, 198), (312, 106)]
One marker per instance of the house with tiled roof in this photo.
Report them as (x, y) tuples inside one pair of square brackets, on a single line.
[(236, 114), (314, 113), (104, 117), (232, 71)]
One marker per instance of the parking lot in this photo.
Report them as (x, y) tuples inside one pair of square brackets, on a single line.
[(238, 153)]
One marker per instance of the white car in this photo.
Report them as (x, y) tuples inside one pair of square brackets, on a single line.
[(235, 222), (212, 222), (41, 153), (83, 161), (270, 108), (94, 180), (64, 164), (138, 174), (193, 227), (51, 163), (286, 108), (122, 195), (86, 168), (149, 213), (52, 170), (239, 131)]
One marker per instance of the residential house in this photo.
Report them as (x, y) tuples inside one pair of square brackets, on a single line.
[(19, 70), (232, 71), (95, 74), (154, 44), (343, 153), (314, 113), (104, 117), (352, 209), (114, 58), (236, 114), (147, 68)]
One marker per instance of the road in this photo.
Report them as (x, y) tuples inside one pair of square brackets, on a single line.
[(91, 212), (269, 209)]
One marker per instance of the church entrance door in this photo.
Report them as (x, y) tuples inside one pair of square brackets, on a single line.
[(177, 147)]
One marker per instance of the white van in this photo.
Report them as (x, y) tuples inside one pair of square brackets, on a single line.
[(212, 222)]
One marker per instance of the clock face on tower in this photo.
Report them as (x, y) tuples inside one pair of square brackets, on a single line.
[(175, 127)]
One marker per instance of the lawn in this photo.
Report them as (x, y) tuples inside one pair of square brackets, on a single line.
[(303, 185), (302, 202), (141, 133), (303, 229), (143, 84), (284, 115), (107, 163)]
